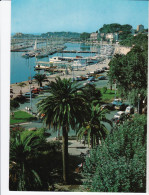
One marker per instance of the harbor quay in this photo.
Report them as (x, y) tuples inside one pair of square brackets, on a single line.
[(91, 68)]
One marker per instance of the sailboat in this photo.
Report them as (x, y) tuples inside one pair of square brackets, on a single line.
[(43, 53), (35, 46)]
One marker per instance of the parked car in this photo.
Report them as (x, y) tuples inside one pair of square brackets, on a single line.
[(78, 78), (91, 79), (88, 83), (46, 87), (107, 106), (87, 76), (116, 102), (35, 91), (121, 107), (46, 80), (104, 68), (129, 110), (119, 115), (102, 78), (98, 71), (27, 95), (83, 78)]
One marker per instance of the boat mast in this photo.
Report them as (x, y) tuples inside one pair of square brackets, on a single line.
[(35, 46)]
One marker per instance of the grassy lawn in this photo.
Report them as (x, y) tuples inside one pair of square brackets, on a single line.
[(108, 96), (21, 117)]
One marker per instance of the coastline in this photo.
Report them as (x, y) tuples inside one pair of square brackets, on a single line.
[(16, 89)]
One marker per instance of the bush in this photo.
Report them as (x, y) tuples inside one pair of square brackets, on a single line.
[(14, 104), (119, 165), (104, 89), (16, 129), (20, 99)]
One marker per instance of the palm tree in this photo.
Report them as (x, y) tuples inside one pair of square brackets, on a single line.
[(23, 147), (21, 85), (63, 108), (40, 78), (95, 127)]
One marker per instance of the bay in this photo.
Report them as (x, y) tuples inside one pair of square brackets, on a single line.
[(22, 68)]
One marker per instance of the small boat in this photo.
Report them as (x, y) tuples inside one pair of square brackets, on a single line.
[(41, 55), (40, 67), (28, 54), (79, 57), (25, 55)]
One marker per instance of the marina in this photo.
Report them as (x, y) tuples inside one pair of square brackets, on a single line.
[(28, 64)]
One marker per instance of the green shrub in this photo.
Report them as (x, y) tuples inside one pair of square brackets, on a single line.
[(14, 104), (119, 165), (104, 89)]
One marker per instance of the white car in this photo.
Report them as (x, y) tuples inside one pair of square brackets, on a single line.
[(119, 115), (129, 110)]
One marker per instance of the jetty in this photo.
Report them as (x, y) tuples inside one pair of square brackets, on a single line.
[(75, 51)]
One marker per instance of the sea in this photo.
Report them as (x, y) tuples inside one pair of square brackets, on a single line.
[(22, 69)]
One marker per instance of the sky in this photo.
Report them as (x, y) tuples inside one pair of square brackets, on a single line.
[(41, 16)]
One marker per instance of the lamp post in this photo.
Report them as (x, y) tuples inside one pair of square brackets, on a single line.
[(30, 82), (139, 103), (115, 88)]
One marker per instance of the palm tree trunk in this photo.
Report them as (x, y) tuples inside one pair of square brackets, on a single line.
[(94, 140), (40, 84), (111, 87), (97, 140), (65, 154), (91, 140)]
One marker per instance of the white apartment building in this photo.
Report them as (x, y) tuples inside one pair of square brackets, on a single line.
[(93, 36)]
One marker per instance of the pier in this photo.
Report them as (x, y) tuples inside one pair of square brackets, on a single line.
[(74, 51)]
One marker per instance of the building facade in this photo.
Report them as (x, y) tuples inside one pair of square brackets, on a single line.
[(111, 36), (140, 28), (93, 36)]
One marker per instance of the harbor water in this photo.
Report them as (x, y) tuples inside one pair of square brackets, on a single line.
[(22, 68)]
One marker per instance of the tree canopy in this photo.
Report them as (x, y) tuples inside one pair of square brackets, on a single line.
[(14, 104), (84, 36), (40, 78), (140, 39), (124, 30), (115, 27), (94, 127), (119, 165), (92, 94), (130, 73)]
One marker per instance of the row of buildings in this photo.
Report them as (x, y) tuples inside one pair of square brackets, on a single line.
[(112, 36)]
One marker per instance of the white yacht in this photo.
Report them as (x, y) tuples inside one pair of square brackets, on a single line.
[(57, 59), (78, 66)]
